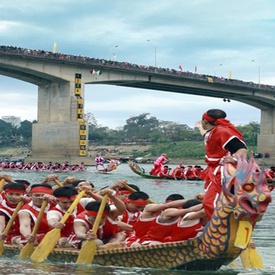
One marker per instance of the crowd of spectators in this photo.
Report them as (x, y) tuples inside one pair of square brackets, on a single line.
[(129, 66)]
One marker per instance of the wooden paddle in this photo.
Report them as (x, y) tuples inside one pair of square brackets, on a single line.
[(47, 244), (2, 183), (9, 225), (28, 249), (88, 249), (250, 258), (58, 183)]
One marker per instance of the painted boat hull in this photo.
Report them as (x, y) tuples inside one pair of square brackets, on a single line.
[(178, 255)]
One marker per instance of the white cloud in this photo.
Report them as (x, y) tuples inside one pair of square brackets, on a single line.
[(202, 33)]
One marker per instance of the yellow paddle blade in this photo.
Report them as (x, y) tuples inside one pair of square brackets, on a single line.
[(251, 258), (243, 235), (255, 258), (245, 259), (26, 251), (87, 252), (88, 249), (47, 244)]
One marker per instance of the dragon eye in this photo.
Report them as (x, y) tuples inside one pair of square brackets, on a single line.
[(248, 187)]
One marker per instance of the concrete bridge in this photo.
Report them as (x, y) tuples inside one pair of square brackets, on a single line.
[(61, 132)]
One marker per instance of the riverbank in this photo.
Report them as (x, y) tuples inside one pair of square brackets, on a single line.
[(120, 152)]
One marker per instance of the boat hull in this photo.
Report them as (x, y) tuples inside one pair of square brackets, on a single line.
[(178, 255)]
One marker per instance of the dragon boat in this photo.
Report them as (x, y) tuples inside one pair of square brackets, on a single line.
[(242, 203), (141, 172)]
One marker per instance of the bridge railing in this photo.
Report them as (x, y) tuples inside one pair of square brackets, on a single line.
[(11, 50)]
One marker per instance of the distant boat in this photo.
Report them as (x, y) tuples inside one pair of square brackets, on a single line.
[(141, 172)]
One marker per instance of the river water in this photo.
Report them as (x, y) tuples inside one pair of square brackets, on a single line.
[(263, 235)]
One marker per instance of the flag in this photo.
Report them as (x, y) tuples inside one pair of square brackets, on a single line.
[(196, 69), (54, 47), (180, 67), (99, 72), (230, 74)]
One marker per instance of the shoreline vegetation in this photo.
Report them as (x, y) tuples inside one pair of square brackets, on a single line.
[(120, 152), (125, 153)]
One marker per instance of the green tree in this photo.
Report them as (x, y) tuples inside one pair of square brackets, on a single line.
[(250, 133), (140, 127), (25, 129), (7, 133)]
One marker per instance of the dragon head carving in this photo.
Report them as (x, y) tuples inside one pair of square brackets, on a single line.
[(246, 189)]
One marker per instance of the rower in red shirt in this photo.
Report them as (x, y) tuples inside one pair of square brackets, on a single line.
[(13, 194)]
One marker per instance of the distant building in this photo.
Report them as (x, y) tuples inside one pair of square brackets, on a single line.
[(13, 120)]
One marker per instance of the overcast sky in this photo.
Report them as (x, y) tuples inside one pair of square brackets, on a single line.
[(216, 36)]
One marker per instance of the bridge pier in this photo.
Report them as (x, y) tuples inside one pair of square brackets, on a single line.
[(56, 135), (266, 138)]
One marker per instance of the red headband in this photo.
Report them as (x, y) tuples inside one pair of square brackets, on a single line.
[(125, 192), (140, 202), (94, 213), (208, 118), (66, 198), (41, 189), (14, 191)]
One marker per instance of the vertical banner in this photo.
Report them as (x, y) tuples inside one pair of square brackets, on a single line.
[(54, 47), (79, 116)]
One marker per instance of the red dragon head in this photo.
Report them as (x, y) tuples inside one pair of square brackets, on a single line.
[(246, 189)]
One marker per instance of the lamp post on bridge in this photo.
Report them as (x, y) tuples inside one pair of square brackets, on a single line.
[(155, 54), (217, 68), (112, 54), (259, 73)]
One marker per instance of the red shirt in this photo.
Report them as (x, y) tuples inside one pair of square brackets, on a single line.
[(105, 232), (7, 211), (68, 229), (185, 229)]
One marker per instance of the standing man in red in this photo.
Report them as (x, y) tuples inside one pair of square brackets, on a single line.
[(158, 163), (223, 143)]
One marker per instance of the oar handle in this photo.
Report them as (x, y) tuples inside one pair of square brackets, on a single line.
[(39, 218), (2, 183), (72, 207), (99, 214), (10, 223), (58, 183)]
